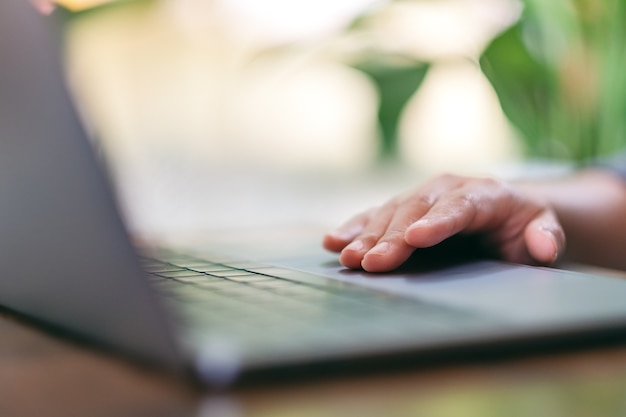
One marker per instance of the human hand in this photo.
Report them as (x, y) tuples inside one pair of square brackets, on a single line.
[(512, 223)]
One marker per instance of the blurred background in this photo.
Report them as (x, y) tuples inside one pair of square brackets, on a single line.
[(241, 113)]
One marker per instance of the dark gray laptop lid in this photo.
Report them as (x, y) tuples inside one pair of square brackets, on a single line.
[(64, 255)]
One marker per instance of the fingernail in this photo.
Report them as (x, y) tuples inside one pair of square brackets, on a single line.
[(549, 233), (355, 246), (380, 249), (340, 235)]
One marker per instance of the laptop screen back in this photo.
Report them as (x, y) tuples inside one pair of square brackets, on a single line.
[(64, 255)]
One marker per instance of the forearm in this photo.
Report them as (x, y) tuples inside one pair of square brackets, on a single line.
[(591, 206)]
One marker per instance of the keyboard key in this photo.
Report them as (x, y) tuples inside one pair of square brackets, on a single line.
[(257, 304)]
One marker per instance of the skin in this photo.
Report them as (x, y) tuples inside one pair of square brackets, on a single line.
[(517, 222), (44, 6)]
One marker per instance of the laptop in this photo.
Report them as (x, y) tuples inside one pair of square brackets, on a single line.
[(67, 263)]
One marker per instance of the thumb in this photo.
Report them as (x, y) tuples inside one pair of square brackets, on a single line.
[(545, 238)]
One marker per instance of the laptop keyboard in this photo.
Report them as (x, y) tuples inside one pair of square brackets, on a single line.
[(254, 304)]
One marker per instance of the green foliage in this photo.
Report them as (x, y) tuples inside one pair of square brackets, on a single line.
[(396, 85), (522, 84), (559, 74)]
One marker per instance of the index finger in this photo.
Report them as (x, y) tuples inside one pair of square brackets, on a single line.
[(462, 210)]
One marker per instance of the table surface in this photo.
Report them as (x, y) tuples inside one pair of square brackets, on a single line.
[(43, 374)]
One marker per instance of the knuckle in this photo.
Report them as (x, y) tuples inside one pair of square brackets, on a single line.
[(492, 182), (448, 177), (369, 237), (394, 202), (423, 200), (465, 201), (394, 234), (364, 217), (446, 180)]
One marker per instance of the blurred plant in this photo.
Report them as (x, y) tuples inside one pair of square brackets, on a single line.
[(559, 74), (396, 84), (400, 41)]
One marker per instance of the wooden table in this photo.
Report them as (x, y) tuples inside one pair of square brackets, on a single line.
[(44, 375)]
